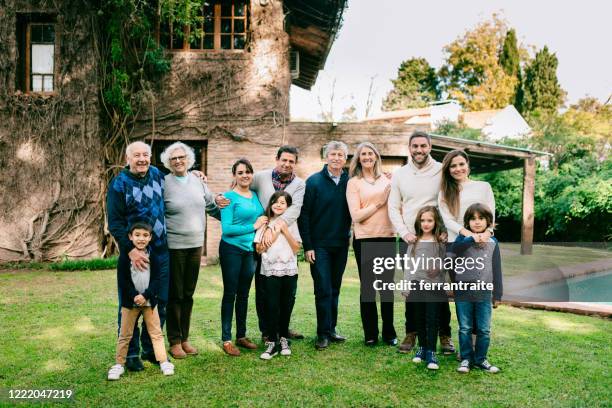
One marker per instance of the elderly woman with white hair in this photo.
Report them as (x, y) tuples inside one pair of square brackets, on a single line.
[(187, 199), (325, 225)]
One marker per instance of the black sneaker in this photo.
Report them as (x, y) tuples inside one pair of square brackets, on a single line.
[(486, 366), (419, 355), (464, 367), (150, 357), (271, 351), (322, 343), (133, 364), (432, 361), (391, 342)]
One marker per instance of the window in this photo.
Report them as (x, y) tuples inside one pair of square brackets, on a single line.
[(218, 25), (36, 40), (42, 55)]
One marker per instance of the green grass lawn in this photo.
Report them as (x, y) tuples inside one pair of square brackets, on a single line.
[(59, 331)]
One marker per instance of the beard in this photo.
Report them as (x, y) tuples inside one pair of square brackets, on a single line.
[(419, 158)]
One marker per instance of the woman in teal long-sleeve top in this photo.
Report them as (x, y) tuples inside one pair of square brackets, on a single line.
[(239, 221)]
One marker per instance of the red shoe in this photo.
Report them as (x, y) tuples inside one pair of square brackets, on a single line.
[(230, 349)]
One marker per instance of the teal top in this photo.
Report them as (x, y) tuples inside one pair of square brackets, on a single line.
[(238, 218)]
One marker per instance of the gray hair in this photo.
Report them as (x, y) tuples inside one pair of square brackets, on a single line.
[(131, 146), (165, 156), (335, 145)]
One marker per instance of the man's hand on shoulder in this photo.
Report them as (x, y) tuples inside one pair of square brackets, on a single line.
[(200, 175), (139, 259), (221, 201)]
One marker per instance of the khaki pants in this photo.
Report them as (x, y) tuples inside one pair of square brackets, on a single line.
[(151, 319)]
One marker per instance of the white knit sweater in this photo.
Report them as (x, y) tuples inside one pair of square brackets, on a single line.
[(472, 192), (411, 189)]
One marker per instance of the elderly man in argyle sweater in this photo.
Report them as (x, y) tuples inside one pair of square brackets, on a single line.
[(136, 194)]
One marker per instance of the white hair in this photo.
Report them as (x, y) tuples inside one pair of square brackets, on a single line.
[(131, 146), (335, 145), (165, 156)]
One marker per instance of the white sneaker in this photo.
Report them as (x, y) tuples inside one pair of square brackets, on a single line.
[(167, 368), (271, 351), (464, 367), (285, 350), (419, 355), (115, 372), (432, 366)]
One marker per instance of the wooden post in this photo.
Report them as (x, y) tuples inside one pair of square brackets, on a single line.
[(528, 206)]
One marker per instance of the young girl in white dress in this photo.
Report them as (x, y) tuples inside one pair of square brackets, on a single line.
[(279, 268)]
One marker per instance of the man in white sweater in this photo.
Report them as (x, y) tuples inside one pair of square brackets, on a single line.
[(414, 186)]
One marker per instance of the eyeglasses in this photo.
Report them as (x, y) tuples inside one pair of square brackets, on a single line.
[(178, 158)]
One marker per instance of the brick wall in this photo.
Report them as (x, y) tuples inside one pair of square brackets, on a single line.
[(260, 149)]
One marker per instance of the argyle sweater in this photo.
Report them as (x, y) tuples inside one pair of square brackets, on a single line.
[(131, 198)]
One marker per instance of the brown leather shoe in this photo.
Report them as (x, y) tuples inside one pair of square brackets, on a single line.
[(295, 335), (189, 349), (246, 343), (408, 343), (176, 351), (446, 343), (230, 349)]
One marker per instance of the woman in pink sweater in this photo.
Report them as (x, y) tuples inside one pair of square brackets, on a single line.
[(367, 193)]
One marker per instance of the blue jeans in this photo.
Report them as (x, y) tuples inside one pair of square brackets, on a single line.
[(141, 336), (237, 268), (468, 312), (327, 274)]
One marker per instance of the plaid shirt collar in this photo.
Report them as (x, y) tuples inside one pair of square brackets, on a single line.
[(278, 183)]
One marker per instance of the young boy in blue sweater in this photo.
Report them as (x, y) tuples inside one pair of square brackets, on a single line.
[(139, 295), (482, 262)]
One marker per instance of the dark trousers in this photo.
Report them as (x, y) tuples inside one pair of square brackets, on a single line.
[(327, 274), (184, 271), (141, 336), (426, 315), (280, 299), (237, 268), (444, 318), (444, 314), (260, 296), (367, 305)]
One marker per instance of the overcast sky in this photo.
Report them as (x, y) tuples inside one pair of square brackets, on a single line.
[(377, 36)]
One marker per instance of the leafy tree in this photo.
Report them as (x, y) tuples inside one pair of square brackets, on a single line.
[(472, 73), (416, 85), (519, 93), (509, 58), (593, 121), (541, 86)]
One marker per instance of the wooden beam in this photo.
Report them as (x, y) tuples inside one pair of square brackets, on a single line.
[(312, 39), (486, 149), (528, 206)]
